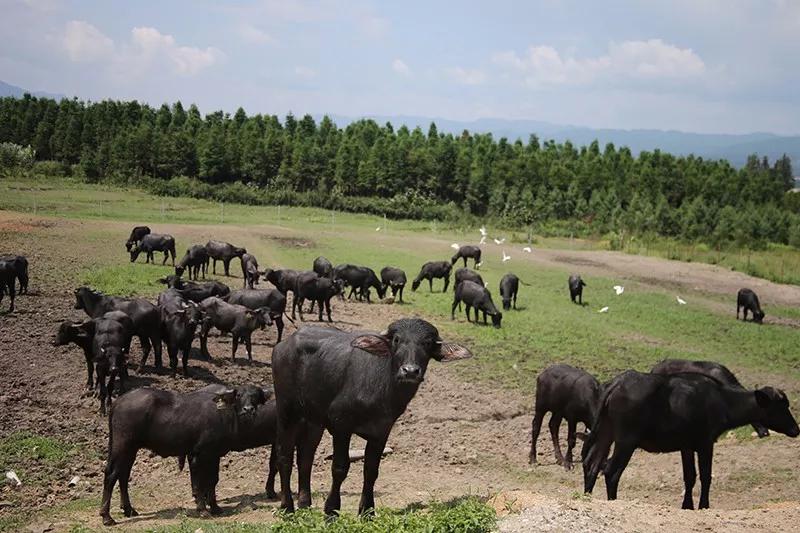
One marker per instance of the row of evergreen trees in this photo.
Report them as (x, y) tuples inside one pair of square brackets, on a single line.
[(522, 183)]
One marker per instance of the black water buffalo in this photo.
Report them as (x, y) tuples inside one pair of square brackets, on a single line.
[(203, 425), (565, 392), (145, 316), (237, 320), (318, 290), (360, 279), (196, 292), (748, 300), (395, 279), (111, 341), (20, 265), (80, 334), (196, 260), (576, 286), (433, 270), (179, 320), (479, 297), (467, 252), (8, 282), (466, 274), (348, 383), (137, 234), (323, 267), (509, 287), (250, 271), (152, 243), (271, 299), (707, 368), (283, 279), (670, 413), (225, 252)]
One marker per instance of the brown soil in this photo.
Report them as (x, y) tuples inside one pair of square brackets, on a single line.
[(456, 437)]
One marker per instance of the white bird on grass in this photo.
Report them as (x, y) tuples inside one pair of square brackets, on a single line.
[(619, 289), (527, 249), (12, 476), (378, 228), (483, 240), (505, 257), (483, 231), (603, 310), (500, 241), (454, 246), (681, 300)]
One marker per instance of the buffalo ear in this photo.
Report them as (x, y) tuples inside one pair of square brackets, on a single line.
[(268, 392), (374, 344), (451, 351), (762, 398), (225, 399)]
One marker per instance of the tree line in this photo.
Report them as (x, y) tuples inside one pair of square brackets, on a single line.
[(370, 167)]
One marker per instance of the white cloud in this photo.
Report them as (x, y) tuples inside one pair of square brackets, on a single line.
[(466, 76), (399, 66), (304, 72), (85, 43), (254, 35), (185, 60), (544, 65)]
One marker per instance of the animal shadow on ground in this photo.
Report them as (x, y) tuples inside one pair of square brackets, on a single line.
[(449, 504)]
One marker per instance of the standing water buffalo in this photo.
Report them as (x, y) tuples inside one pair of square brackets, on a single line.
[(137, 234), (707, 368), (395, 279), (323, 267), (348, 383), (237, 320), (20, 265), (360, 279), (509, 286), (179, 320), (145, 316), (225, 252), (463, 274), (670, 413), (254, 299), (8, 282), (111, 341), (250, 271), (152, 243), (318, 290), (196, 260), (576, 286), (479, 297), (748, 300), (80, 334), (565, 392), (433, 270), (284, 280), (203, 425), (466, 252)]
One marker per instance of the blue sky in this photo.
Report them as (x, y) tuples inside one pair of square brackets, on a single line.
[(726, 66)]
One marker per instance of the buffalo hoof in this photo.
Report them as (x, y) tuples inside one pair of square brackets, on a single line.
[(271, 494), (108, 521), (215, 510), (130, 512), (532, 460), (568, 466)]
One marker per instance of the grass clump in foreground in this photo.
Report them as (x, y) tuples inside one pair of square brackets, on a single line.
[(23, 447)]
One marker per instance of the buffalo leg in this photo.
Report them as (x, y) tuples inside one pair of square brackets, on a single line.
[(328, 309), (738, 308), (269, 486), (185, 360), (339, 468), (145, 342), (515, 300), (285, 440), (155, 339), (689, 477), (166, 256), (536, 427), (197, 473), (227, 264), (101, 382), (705, 457), (248, 343), (555, 423), (430, 283), (212, 465), (279, 325), (372, 463), (616, 465), (234, 346), (571, 433), (89, 371), (117, 465), (214, 266), (307, 442), (204, 328), (125, 497), (453, 310), (401, 293), (172, 353)]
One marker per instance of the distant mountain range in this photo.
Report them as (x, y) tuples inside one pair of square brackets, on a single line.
[(734, 148), (6, 89)]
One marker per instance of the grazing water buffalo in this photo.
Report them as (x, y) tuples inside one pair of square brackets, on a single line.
[(509, 287), (466, 252), (137, 234), (8, 282), (20, 265), (479, 297), (196, 292), (179, 320), (203, 425), (152, 243), (348, 383), (565, 392), (323, 267), (463, 274), (360, 279), (196, 260), (225, 252), (237, 320), (111, 341), (576, 286), (284, 280), (318, 290), (707, 368), (80, 334), (748, 300), (670, 413), (395, 279), (145, 316), (250, 271), (254, 299), (431, 270)]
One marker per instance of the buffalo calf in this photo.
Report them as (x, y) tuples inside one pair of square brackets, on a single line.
[(747, 300)]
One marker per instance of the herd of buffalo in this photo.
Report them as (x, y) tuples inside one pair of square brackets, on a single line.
[(361, 382)]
